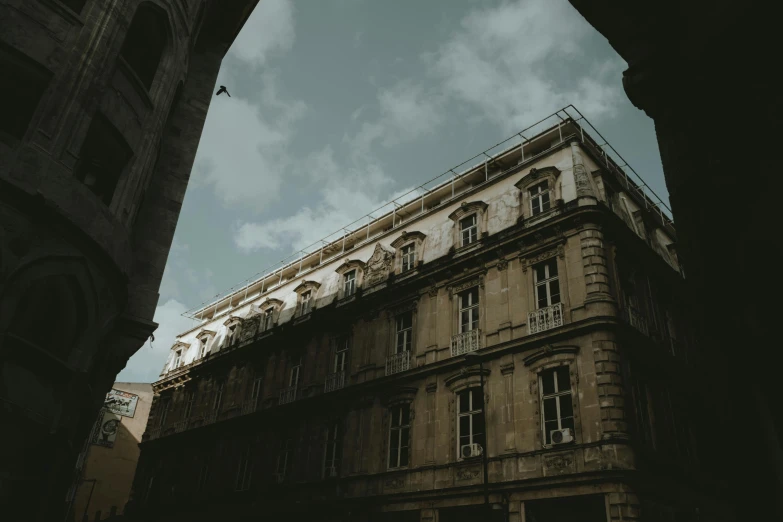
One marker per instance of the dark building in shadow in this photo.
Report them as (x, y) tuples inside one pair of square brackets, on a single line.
[(101, 109), (703, 72)]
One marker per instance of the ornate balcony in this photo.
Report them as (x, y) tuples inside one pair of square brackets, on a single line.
[(287, 395), (637, 320), (334, 381), (398, 362), (545, 318), (465, 342)]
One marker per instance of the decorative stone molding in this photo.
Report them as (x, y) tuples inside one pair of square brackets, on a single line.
[(466, 378), (399, 395), (466, 209), (346, 267), (307, 285), (534, 177), (411, 305), (467, 473), (379, 266), (530, 259), (502, 264), (406, 238), (432, 387), (507, 368), (460, 286), (559, 464), (549, 351)]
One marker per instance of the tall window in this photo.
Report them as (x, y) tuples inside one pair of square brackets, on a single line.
[(268, 319), (469, 229), (232, 332), (404, 332), (164, 411), (547, 284), (217, 400), (408, 260), (341, 354), (307, 301), (244, 471), (255, 392), (190, 399), (203, 350), (177, 359), (296, 368), (556, 402), (145, 41), (539, 198), (284, 458), (349, 285), (399, 435), (331, 460), (469, 310), (470, 418), (19, 98)]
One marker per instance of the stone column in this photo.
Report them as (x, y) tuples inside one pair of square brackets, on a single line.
[(594, 262), (624, 507), (507, 418), (611, 397)]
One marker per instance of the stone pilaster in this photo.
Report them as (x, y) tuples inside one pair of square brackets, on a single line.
[(432, 388), (609, 382), (594, 261), (624, 507), (507, 413)]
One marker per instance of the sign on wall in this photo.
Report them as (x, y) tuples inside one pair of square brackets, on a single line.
[(121, 403), (105, 432)]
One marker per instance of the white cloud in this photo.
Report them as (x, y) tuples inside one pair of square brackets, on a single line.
[(269, 28), (504, 61), (148, 361), (244, 154)]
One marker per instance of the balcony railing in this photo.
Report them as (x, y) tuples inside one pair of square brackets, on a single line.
[(287, 395), (398, 362), (334, 381), (210, 417), (249, 406), (465, 342), (180, 426), (545, 318), (637, 320)]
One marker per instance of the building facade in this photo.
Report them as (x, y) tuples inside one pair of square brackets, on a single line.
[(504, 347), (106, 467), (102, 105)]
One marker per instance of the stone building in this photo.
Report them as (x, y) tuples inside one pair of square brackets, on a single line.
[(106, 467), (520, 320), (102, 103)]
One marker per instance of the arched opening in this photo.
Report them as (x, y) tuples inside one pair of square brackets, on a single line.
[(102, 159), (145, 42)]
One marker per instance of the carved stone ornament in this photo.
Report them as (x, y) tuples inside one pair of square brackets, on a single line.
[(502, 264), (467, 473), (559, 464), (464, 285), (379, 266), (528, 260)]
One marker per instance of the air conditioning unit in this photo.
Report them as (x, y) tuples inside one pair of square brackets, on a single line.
[(331, 471), (471, 450), (561, 436)]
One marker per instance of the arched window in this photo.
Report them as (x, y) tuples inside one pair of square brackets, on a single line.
[(145, 41)]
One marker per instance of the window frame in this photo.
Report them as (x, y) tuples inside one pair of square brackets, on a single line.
[(398, 431), (190, 400), (405, 240), (556, 395), (473, 309), (546, 283), (536, 177), (470, 413), (349, 267), (349, 280), (539, 196), (408, 257), (244, 470), (407, 332), (217, 396), (164, 413), (341, 351), (333, 430), (475, 210)]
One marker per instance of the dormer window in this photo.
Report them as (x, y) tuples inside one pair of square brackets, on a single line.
[(349, 283), (204, 344), (539, 199), (408, 257), (470, 223), (269, 311), (409, 248), (177, 359), (269, 319), (307, 299), (307, 292), (468, 228)]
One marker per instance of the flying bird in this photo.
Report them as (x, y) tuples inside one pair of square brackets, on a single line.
[(222, 90)]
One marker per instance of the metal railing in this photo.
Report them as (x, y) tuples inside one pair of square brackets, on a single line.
[(368, 227), (545, 318), (334, 381), (287, 395), (398, 362), (637, 320), (465, 342)]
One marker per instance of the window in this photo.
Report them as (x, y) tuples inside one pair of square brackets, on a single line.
[(349, 284), (283, 458), (469, 229), (331, 460), (341, 354), (203, 351), (469, 310), (404, 332), (177, 359), (21, 91), (556, 403), (408, 259), (164, 411), (102, 158), (255, 392), (470, 418), (399, 435), (539, 199), (145, 42), (268, 321), (190, 399), (244, 471), (217, 400), (307, 301), (293, 377), (547, 284), (232, 332)]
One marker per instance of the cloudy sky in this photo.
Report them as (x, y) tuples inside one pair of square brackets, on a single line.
[(338, 106)]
